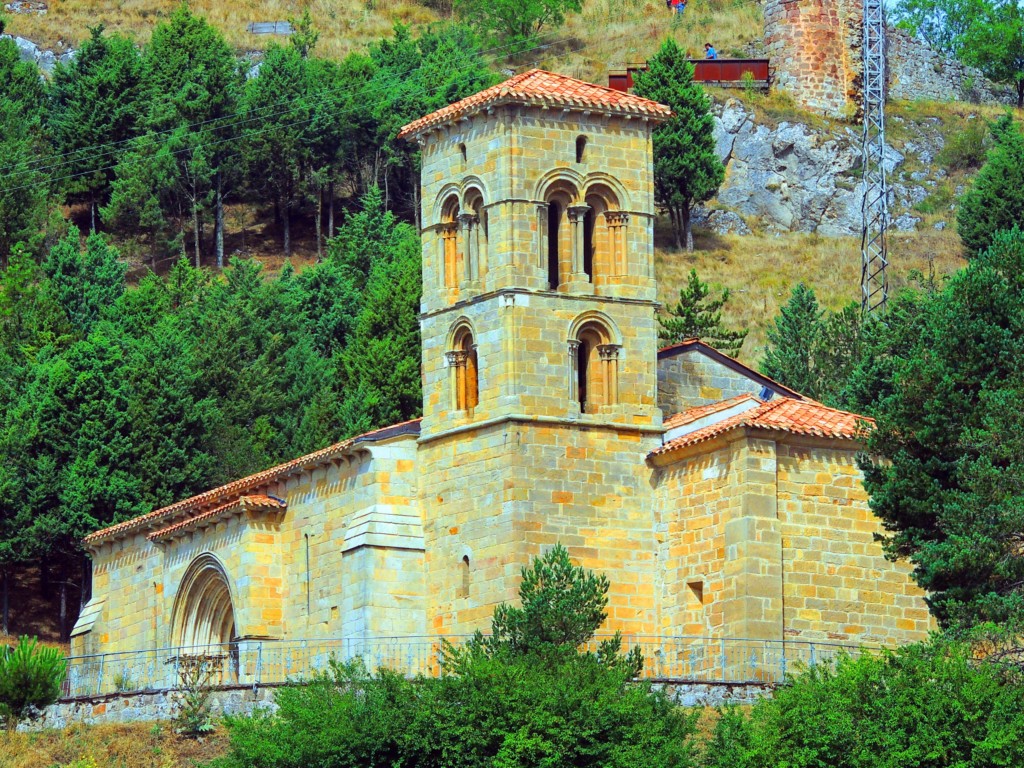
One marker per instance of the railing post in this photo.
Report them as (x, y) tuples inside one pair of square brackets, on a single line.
[(813, 660), (259, 666), (99, 677), (724, 677)]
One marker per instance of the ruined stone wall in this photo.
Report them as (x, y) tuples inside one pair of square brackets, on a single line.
[(916, 71), (815, 51)]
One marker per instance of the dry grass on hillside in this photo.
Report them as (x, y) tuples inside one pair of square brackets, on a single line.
[(760, 271), (139, 745), (608, 32)]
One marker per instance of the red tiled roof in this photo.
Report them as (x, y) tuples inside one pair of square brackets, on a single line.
[(540, 88), (783, 415), (242, 503), (690, 415), (234, 489)]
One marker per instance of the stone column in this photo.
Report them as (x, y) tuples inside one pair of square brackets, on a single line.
[(449, 254), (609, 354), (573, 388), (457, 363), (578, 280), (618, 260), (542, 238), (467, 223)]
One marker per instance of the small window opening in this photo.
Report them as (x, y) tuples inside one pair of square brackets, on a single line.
[(462, 151), (554, 220), (581, 148), (464, 585), (697, 591)]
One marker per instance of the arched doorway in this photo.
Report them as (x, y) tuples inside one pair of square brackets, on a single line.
[(204, 614)]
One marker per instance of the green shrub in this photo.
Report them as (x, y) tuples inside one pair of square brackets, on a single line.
[(931, 704), (965, 150), (995, 201), (30, 677)]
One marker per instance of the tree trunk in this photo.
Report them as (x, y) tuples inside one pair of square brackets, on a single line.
[(63, 603), (319, 223), (92, 217), (1020, 94), (218, 233), (330, 209), (195, 230), (677, 227), (6, 575), (286, 225), (687, 230)]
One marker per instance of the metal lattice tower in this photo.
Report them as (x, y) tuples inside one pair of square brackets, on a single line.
[(874, 284)]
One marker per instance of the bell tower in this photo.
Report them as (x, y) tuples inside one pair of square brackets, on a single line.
[(539, 330)]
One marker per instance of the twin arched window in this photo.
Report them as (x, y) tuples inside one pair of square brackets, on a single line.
[(582, 241)]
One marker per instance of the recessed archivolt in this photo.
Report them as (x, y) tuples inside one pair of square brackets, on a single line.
[(458, 330), (560, 180), (204, 615), (443, 201), (474, 194), (608, 188), (595, 318)]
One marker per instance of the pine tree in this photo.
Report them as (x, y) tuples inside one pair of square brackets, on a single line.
[(687, 169), (696, 316), (793, 340), (995, 201), (96, 101)]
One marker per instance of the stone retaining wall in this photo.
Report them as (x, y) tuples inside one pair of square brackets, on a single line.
[(150, 706)]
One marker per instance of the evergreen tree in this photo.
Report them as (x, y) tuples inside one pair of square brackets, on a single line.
[(687, 170), (995, 201), (24, 186), (23, 86), (181, 164), (793, 340), (94, 111), (85, 284), (515, 22), (277, 139), (946, 453), (696, 316)]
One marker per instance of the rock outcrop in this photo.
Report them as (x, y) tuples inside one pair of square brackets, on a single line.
[(798, 178), (46, 60)]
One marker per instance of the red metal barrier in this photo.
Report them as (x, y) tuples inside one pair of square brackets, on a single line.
[(714, 71)]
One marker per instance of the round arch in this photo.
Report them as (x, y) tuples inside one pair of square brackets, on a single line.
[(473, 187), (597, 180), (204, 613), (561, 179), (442, 201), (595, 317)]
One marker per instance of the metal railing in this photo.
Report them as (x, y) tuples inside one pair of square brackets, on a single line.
[(255, 663)]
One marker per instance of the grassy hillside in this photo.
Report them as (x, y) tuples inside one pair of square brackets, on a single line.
[(607, 33)]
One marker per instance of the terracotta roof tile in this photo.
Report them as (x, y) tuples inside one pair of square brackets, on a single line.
[(540, 88), (234, 489), (690, 415), (784, 415), (242, 503)]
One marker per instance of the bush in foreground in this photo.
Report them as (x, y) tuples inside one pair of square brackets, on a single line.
[(923, 706), (30, 677)]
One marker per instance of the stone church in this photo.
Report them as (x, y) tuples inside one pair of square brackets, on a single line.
[(718, 502)]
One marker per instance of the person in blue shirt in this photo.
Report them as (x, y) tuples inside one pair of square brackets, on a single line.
[(709, 52)]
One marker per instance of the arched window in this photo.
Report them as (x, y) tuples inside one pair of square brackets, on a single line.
[(465, 380), (462, 153), (595, 375), (560, 231), (581, 148), (589, 244), (451, 258)]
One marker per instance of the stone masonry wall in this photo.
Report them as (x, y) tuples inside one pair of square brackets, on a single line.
[(916, 71), (689, 379), (814, 49)]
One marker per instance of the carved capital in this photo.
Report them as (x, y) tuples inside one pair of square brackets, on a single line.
[(577, 212), (457, 359), (609, 351), (468, 220), (616, 218)]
